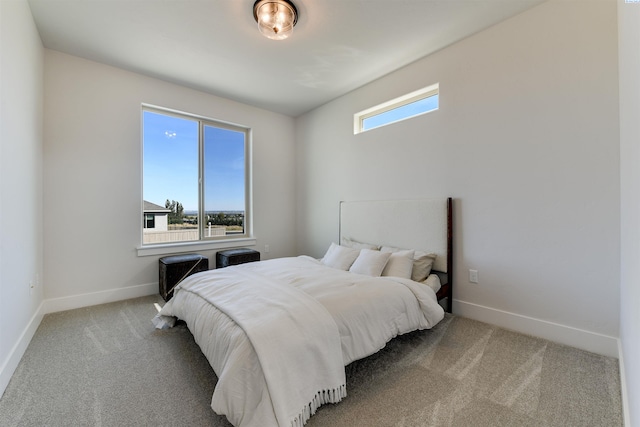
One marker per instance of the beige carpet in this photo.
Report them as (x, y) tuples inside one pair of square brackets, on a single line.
[(107, 366)]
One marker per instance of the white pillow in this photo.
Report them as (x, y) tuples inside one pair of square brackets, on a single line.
[(422, 263), (340, 257), (370, 262), (400, 264), (433, 281), (357, 245)]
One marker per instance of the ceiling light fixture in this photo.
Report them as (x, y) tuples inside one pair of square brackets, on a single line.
[(275, 18)]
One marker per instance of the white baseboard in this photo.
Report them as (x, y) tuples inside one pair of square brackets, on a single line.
[(16, 353), (574, 337), (623, 387), (111, 295)]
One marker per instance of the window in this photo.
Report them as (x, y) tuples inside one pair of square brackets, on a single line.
[(149, 221), (404, 107), (195, 175)]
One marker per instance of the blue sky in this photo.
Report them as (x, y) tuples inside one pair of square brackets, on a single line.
[(171, 163), (400, 113)]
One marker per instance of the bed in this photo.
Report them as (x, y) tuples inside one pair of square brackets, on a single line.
[(278, 333)]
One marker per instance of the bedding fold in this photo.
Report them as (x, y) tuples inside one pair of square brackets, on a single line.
[(301, 374)]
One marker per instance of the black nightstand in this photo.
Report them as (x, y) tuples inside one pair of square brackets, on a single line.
[(236, 256)]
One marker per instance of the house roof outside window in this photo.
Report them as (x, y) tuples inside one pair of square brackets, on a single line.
[(149, 207)]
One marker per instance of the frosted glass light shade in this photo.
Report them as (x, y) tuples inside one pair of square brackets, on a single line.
[(275, 18)]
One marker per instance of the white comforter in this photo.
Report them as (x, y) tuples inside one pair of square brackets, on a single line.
[(367, 312)]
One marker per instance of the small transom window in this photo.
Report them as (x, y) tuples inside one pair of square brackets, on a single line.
[(404, 107)]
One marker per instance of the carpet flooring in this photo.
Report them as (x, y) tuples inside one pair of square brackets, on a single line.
[(107, 366)]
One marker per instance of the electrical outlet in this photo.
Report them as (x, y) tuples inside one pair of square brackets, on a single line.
[(473, 276), (266, 249)]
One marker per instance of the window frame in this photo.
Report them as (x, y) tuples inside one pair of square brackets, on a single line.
[(401, 101), (203, 242)]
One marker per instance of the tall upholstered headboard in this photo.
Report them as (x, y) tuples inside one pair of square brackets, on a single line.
[(422, 224)]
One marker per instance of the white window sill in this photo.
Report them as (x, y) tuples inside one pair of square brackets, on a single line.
[(176, 248)]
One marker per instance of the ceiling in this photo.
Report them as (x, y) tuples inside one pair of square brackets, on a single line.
[(214, 45)]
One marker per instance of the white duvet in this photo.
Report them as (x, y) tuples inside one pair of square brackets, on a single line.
[(365, 313)]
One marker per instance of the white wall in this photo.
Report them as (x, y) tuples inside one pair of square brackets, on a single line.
[(92, 172), (21, 68), (526, 141), (629, 64)]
